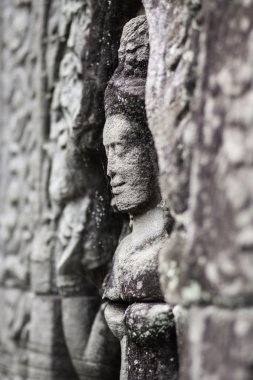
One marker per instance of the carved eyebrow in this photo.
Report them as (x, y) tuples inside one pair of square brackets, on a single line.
[(115, 139), (112, 142)]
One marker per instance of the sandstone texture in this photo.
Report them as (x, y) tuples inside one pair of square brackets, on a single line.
[(126, 189), (212, 262)]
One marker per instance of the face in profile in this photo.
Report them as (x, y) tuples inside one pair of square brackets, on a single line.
[(130, 167)]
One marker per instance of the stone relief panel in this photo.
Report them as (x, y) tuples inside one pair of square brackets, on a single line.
[(19, 141), (135, 311), (63, 25), (72, 157), (15, 331), (79, 230), (76, 234), (87, 261), (65, 32), (19, 180)]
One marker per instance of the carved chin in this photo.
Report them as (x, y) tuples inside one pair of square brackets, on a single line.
[(120, 205), (128, 204)]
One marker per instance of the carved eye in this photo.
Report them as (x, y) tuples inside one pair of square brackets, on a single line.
[(118, 149)]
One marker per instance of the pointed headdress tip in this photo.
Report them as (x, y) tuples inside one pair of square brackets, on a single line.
[(125, 92)]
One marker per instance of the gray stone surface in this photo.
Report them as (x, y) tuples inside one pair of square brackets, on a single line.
[(133, 172), (143, 329), (170, 86), (48, 354), (178, 141), (147, 336), (87, 238), (14, 339), (217, 344), (64, 216), (152, 346), (20, 141), (20, 144), (212, 264)]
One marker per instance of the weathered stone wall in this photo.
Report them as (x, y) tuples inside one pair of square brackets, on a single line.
[(20, 166), (54, 199), (58, 232), (200, 98)]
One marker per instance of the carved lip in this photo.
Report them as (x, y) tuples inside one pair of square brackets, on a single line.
[(117, 187)]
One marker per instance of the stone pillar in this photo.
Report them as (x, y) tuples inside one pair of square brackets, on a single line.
[(201, 100)]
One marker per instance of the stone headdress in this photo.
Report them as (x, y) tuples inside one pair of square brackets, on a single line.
[(125, 93)]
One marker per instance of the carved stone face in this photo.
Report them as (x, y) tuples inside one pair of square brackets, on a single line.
[(130, 167)]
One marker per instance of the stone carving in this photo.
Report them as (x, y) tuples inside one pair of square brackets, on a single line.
[(88, 229), (80, 217), (133, 171), (20, 155), (15, 332), (18, 181), (57, 230), (86, 244)]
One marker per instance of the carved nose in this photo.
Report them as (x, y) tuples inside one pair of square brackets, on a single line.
[(110, 170), (111, 165)]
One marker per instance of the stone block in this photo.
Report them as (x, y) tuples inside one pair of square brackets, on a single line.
[(216, 343), (212, 262), (169, 94)]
